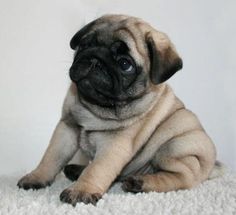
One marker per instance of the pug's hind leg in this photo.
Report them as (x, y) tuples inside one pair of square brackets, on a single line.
[(164, 181), (73, 171), (76, 166), (183, 162)]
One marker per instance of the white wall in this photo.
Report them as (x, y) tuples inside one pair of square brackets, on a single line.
[(35, 57)]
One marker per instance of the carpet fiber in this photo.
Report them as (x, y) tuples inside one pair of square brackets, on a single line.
[(216, 196)]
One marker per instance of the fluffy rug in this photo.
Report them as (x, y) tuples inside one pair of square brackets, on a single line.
[(216, 196)]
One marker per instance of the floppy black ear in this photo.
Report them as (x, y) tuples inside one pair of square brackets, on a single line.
[(77, 37), (163, 63)]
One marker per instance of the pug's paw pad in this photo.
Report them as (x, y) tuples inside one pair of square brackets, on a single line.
[(31, 181), (133, 184), (72, 196)]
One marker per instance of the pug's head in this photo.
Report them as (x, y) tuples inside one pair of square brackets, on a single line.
[(118, 59)]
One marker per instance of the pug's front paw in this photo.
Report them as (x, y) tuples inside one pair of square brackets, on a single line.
[(32, 181), (72, 196)]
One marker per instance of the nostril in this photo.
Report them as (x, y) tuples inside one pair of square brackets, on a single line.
[(94, 61), (95, 64), (99, 65)]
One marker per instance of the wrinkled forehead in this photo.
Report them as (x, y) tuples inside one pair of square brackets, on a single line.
[(109, 29)]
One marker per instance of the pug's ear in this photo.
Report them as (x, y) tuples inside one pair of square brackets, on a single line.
[(164, 60), (78, 36)]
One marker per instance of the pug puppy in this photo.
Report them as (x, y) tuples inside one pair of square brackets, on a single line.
[(123, 119)]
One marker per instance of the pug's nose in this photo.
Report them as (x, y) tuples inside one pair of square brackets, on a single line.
[(99, 75), (95, 63)]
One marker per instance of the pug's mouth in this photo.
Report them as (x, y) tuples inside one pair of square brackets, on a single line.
[(92, 94)]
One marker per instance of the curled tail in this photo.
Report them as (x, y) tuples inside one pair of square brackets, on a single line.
[(218, 170)]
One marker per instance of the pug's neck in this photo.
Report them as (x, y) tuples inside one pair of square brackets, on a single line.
[(95, 117)]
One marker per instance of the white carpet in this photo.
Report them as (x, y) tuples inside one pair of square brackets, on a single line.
[(216, 196)]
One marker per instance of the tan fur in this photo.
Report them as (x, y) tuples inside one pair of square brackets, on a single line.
[(156, 130)]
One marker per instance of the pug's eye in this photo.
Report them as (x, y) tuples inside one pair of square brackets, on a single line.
[(125, 65)]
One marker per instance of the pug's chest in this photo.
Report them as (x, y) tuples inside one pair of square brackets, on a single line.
[(92, 141)]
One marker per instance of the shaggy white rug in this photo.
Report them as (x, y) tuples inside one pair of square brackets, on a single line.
[(216, 196)]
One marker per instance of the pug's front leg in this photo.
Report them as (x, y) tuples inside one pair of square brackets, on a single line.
[(62, 147), (99, 175)]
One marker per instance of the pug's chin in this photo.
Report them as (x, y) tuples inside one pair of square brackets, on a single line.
[(107, 111), (119, 110), (90, 95), (101, 100)]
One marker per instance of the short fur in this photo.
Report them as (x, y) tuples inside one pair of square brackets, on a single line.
[(140, 134)]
